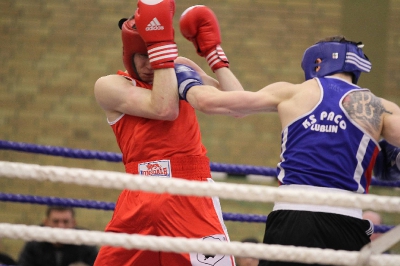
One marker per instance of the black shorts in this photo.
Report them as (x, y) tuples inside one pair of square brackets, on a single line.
[(315, 229)]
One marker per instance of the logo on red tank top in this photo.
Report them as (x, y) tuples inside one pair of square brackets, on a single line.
[(155, 168)]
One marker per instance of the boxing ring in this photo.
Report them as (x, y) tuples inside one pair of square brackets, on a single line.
[(369, 255)]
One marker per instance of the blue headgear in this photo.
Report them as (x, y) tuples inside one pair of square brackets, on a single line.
[(336, 57)]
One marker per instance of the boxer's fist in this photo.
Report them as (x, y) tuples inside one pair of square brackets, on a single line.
[(387, 165), (187, 77), (154, 22), (199, 25)]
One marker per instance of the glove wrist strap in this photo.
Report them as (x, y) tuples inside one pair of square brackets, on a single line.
[(162, 55), (216, 58)]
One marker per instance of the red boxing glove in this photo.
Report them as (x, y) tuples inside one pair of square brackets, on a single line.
[(154, 22), (199, 25)]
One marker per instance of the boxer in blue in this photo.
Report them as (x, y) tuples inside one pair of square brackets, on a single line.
[(331, 130)]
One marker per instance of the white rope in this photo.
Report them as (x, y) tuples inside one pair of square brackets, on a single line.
[(186, 245), (116, 180)]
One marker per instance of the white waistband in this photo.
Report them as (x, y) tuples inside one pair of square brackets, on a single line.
[(352, 212)]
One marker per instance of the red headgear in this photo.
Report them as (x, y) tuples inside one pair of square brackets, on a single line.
[(132, 43)]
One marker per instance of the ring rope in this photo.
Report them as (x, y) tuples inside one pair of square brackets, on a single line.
[(116, 180), (180, 244), (116, 157), (109, 206)]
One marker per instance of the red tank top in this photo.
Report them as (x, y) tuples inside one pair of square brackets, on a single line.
[(147, 140)]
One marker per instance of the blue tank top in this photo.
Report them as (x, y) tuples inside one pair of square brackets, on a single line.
[(325, 147)]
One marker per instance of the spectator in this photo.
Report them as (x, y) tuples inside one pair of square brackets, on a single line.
[(36, 253), (247, 261)]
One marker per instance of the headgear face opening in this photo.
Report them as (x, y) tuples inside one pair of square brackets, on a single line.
[(132, 43), (336, 57)]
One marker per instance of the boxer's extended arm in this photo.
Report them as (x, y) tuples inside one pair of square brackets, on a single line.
[(210, 100)]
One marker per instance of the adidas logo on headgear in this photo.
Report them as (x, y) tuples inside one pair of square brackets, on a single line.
[(154, 25)]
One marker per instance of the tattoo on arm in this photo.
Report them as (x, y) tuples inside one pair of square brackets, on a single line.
[(365, 108)]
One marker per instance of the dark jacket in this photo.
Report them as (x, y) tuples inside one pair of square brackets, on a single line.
[(47, 254), (6, 259)]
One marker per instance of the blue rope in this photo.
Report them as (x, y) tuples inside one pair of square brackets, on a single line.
[(109, 206), (60, 151)]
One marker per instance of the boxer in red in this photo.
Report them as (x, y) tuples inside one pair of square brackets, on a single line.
[(159, 137)]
